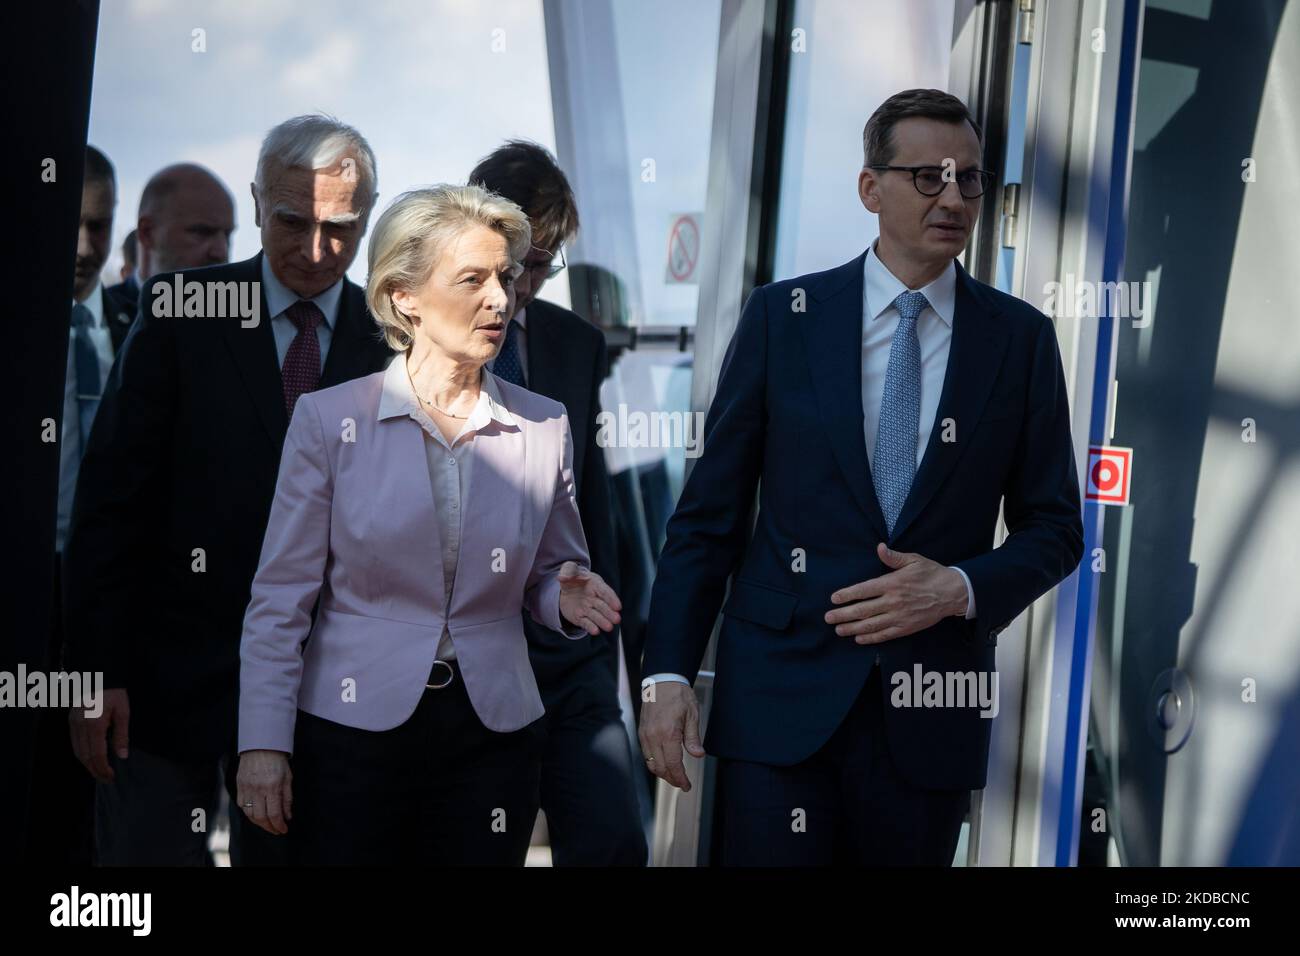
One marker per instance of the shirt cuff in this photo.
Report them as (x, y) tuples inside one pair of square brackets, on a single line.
[(654, 678), (970, 594)]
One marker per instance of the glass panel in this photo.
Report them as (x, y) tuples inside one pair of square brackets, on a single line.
[(650, 389), (1196, 720), (668, 55), (653, 81), (835, 84), (637, 96)]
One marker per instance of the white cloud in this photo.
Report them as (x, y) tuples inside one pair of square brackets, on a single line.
[(329, 66)]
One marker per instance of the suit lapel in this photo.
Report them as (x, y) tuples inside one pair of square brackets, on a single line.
[(833, 338), (550, 374), (351, 353), (117, 318), (254, 352), (974, 358), (354, 342), (543, 357)]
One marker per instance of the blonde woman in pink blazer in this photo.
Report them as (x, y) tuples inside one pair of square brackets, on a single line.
[(417, 511)]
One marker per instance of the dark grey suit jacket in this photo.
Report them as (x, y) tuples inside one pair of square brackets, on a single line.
[(567, 362)]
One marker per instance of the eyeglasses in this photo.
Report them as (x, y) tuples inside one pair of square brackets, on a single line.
[(551, 269), (930, 180)]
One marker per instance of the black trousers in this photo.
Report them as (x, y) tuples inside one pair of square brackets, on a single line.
[(845, 805), (441, 789), (588, 795), (150, 814), (61, 811)]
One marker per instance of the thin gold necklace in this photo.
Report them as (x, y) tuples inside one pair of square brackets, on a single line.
[(430, 402)]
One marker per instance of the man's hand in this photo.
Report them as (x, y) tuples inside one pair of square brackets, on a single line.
[(264, 789), (668, 721), (90, 734), (917, 594)]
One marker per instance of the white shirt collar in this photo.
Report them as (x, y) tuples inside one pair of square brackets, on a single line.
[(520, 318), (880, 288), (95, 305), (279, 296), (397, 398)]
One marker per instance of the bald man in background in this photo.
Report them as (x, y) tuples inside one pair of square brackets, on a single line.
[(186, 217)]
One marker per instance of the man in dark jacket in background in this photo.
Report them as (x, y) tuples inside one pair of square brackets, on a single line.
[(587, 791), (176, 487)]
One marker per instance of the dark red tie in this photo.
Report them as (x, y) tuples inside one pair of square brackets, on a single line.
[(301, 371)]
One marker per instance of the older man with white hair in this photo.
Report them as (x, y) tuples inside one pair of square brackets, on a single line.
[(176, 486)]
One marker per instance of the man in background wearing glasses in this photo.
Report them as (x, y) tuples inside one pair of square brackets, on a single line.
[(887, 408), (587, 791)]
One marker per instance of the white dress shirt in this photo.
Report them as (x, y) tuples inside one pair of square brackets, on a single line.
[(72, 442), (880, 318), (521, 343), (278, 299), (449, 473)]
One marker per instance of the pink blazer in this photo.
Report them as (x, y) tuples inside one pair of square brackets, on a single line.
[(353, 525)]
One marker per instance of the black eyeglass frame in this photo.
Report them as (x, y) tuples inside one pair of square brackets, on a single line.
[(552, 270), (988, 178)]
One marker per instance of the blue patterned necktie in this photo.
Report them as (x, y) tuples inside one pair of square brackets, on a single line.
[(894, 465), (86, 363), (507, 365)]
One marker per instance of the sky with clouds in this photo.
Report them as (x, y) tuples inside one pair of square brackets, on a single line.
[(433, 85)]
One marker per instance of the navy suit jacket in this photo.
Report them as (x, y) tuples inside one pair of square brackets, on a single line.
[(567, 362), (119, 313), (786, 421)]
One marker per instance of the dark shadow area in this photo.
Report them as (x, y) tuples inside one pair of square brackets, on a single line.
[(49, 68)]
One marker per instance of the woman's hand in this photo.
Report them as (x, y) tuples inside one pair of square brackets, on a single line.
[(264, 789), (586, 601)]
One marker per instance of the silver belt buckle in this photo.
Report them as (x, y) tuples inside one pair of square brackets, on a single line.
[(451, 675)]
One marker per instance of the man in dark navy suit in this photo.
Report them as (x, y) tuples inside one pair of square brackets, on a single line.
[(884, 411), (587, 790)]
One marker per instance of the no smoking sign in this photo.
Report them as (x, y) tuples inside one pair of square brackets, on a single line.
[(1110, 471), (683, 249)]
